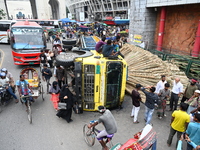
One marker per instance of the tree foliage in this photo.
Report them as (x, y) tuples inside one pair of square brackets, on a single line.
[(2, 14)]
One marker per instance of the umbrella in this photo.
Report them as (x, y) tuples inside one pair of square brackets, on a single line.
[(65, 20), (72, 20)]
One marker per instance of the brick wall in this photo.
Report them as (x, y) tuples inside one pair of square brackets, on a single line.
[(180, 28)]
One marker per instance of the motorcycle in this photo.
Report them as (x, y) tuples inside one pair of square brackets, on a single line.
[(5, 96)]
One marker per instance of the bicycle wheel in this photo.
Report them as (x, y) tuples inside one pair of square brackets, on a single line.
[(89, 135), (29, 111)]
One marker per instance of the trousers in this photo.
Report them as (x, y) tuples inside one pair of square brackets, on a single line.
[(135, 111), (148, 114), (174, 101), (171, 135)]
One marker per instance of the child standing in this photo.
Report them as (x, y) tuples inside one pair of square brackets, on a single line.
[(163, 96), (55, 92)]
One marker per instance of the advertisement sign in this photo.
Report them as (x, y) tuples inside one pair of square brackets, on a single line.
[(82, 16), (70, 16), (137, 38)]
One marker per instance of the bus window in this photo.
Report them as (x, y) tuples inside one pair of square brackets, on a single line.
[(4, 27)]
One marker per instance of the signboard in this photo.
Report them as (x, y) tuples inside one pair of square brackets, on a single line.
[(137, 38), (69, 16), (158, 3), (82, 16)]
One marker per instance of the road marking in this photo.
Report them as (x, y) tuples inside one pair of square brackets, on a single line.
[(1, 57)]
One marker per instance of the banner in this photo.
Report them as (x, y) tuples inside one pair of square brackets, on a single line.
[(70, 16), (82, 16)]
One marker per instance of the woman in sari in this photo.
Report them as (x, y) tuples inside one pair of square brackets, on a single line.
[(55, 92), (66, 97)]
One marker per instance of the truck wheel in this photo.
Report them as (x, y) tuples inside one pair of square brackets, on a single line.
[(67, 59)]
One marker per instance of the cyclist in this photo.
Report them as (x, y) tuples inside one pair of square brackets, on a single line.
[(24, 88), (3, 81), (108, 120)]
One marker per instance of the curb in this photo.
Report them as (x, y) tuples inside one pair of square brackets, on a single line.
[(1, 57)]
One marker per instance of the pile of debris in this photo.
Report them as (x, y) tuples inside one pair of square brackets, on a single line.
[(146, 68)]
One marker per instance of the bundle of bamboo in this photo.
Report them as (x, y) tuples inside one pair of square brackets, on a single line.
[(146, 68)]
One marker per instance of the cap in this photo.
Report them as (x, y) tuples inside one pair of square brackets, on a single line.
[(194, 80), (197, 91), (101, 109), (2, 74), (3, 69), (138, 85)]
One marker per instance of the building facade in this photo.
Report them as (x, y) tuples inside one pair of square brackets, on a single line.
[(97, 10), (35, 9), (167, 25)]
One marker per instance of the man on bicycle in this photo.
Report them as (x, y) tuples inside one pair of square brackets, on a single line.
[(108, 120), (23, 87)]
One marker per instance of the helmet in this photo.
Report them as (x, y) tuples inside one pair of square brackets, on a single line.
[(3, 69), (101, 109), (2, 74)]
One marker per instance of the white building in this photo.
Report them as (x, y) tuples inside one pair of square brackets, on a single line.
[(98, 9)]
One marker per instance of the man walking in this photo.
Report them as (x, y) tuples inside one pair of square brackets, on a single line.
[(177, 90), (193, 131), (179, 122), (151, 101), (46, 75), (136, 103)]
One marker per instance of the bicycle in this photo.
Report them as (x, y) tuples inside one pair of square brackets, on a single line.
[(28, 105), (90, 134)]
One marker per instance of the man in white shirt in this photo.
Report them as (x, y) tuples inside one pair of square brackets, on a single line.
[(161, 84), (177, 90)]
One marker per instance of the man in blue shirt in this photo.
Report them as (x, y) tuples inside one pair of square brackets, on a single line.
[(108, 49), (151, 101), (193, 131)]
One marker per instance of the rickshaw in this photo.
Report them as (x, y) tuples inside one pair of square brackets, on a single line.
[(32, 76)]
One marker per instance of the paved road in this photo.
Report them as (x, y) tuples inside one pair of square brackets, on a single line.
[(49, 132)]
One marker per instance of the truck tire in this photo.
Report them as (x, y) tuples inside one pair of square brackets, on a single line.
[(67, 59), (69, 41)]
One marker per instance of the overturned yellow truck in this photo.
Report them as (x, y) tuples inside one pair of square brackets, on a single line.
[(98, 80)]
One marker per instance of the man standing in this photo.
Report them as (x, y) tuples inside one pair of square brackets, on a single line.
[(151, 101), (161, 84), (60, 75), (193, 131), (177, 90), (179, 122), (46, 75), (136, 103), (43, 57), (189, 91)]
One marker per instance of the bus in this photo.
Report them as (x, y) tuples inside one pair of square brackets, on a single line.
[(27, 41), (5, 26)]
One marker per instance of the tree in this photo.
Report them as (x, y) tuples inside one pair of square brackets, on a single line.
[(2, 14)]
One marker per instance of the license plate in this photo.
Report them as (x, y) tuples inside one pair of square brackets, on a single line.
[(31, 63)]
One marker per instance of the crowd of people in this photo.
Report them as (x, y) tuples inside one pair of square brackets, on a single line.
[(184, 121)]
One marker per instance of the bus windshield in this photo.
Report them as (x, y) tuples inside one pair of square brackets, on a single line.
[(27, 38)]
